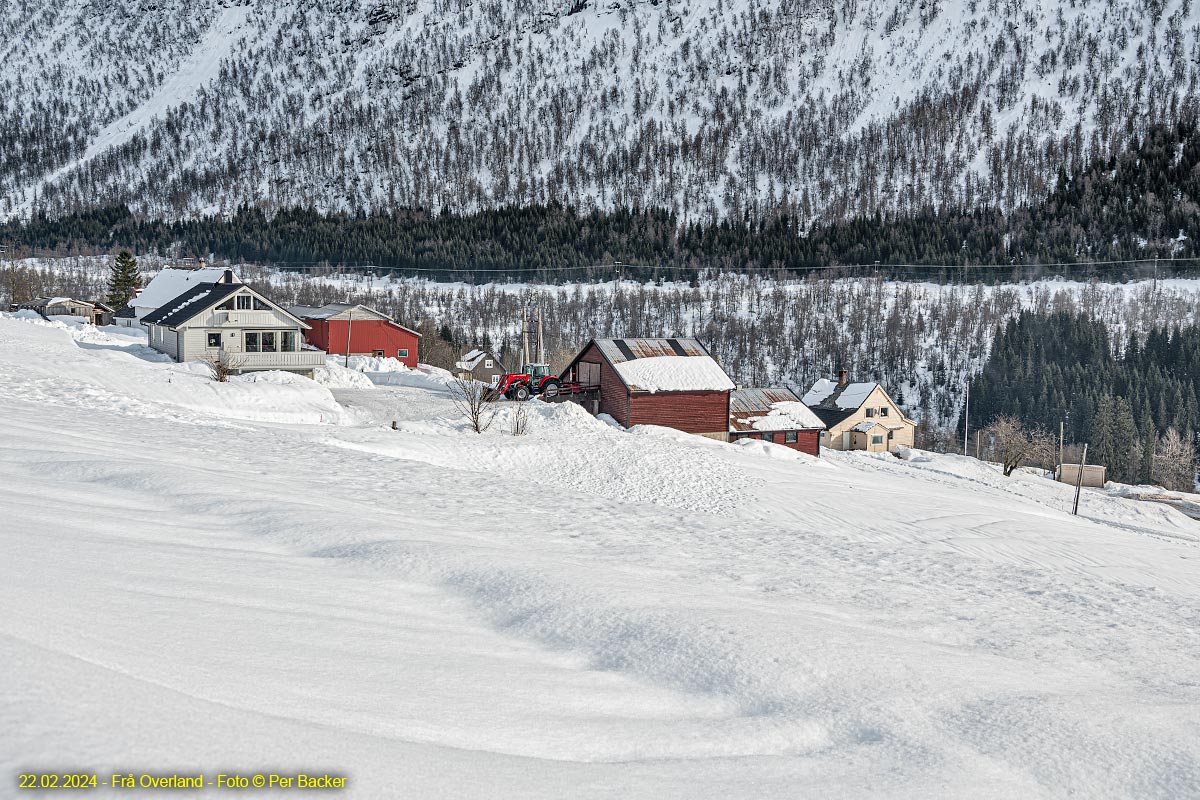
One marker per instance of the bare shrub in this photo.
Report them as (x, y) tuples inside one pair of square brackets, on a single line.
[(520, 418), (223, 366), (472, 400)]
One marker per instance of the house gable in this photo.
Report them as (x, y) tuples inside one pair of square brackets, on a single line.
[(204, 306)]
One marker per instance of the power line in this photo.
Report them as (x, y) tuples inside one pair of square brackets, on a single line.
[(1107, 264)]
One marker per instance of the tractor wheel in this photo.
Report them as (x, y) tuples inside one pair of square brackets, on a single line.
[(550, 389), (520, 393)]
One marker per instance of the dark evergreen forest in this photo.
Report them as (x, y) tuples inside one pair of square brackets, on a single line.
[(1047, 368), (1136, 206)]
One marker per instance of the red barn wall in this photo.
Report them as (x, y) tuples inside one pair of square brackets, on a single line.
[(366, 336), (691, 412), (806, 441)]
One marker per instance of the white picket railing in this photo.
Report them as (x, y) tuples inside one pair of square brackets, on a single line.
[(303, 359)]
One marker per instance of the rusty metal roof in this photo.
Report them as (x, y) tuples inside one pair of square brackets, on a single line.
[(619, 350), (751, 402)]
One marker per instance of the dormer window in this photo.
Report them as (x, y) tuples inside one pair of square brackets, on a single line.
[(244, 302), (870, 412), (883, 412)]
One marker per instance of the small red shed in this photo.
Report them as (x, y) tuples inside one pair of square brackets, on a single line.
[(670, 382), (366, 331), (774, 415)]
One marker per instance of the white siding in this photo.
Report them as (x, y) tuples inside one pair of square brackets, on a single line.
[(163, 340)]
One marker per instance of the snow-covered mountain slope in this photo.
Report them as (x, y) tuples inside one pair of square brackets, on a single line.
[(581, 612), (702, 106)]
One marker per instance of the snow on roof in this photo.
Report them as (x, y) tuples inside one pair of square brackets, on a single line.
[(865, 426), (819, 391), (471, 359), (826, 392), (674, 374), (170, 283), (854, 395), (787, 416)]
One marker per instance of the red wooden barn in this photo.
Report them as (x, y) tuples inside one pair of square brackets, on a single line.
[(774, 415), (365, 330), (670, 382)]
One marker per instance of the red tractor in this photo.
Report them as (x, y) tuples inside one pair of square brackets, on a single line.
[(534, 379)]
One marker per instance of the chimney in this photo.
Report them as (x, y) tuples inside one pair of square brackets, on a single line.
[(227, 277), (842, 381)]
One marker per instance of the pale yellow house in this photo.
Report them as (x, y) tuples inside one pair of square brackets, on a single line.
[(859, 416)]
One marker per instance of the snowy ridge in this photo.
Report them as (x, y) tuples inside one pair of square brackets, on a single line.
[(703, 107)]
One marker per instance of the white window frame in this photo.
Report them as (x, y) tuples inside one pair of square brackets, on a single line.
[(402, 352), (876, 440), (237, 303), (487, 364)]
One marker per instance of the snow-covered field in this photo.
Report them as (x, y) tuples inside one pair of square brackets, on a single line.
[(264, 575)]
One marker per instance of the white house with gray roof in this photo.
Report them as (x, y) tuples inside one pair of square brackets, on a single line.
[(230, 321), (166, 285), (859, 416)]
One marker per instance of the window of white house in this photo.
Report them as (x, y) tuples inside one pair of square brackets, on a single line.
[(252, 343), (259, 305), (244, 302), (883, 411), (214, 339), (487, 364), (876, 440), (287, 343), (402, 352), (870, 412), (791, 437), (268, 341), (226, 306), (891, 435)]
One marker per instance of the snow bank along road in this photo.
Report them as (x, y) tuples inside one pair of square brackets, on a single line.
[(264, 575)]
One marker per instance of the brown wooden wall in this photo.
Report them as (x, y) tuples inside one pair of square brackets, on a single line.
[(613, 395), (691, 412)]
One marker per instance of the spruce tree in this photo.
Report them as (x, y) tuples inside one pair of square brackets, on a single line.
[(125, 280)]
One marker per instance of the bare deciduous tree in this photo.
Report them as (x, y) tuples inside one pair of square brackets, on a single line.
[(1174, 464), (472, 399), (1014, 444)]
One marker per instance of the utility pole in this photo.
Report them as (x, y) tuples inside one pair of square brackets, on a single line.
[(1155, 283), (524, 338), (1060, 441), (349, 324), (1079, 481), (541, 350), (967, 418)]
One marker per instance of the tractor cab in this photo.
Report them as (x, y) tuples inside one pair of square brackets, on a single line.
[(536, 372)]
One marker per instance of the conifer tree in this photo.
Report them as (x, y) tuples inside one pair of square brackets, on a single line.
[(125, 280)]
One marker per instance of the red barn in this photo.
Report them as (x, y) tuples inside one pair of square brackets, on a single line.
[(365, 330), (670, 382), (774, 415)]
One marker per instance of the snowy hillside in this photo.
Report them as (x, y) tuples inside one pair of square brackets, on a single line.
[(192, 582), (701, 106)]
